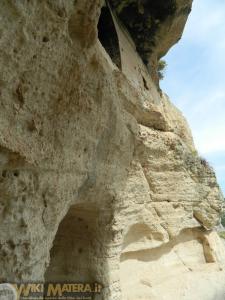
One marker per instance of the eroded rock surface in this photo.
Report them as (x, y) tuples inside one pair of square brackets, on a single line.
[(99, 176)]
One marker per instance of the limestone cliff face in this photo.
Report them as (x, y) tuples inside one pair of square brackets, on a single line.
[(99, 176)]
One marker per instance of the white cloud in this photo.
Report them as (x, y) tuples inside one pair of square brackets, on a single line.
[(210, 140)]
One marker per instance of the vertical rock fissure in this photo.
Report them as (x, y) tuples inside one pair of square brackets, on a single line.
[(108, 36)]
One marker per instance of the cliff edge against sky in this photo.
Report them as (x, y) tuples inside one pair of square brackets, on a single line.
[(99, 177)]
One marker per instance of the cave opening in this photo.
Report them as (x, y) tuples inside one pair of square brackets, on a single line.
[(108, 37), (74, 251)]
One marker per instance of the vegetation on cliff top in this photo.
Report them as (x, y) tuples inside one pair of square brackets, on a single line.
[(161, 68)]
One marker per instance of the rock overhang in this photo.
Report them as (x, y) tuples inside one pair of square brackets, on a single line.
[(155, 26), (142, 19)]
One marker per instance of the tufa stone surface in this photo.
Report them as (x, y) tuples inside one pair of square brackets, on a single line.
[(99, 176)]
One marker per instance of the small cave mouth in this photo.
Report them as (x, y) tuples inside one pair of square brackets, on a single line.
[(73, 254), (108, 37)]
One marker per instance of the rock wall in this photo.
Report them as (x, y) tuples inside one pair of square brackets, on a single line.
[(100, 179)]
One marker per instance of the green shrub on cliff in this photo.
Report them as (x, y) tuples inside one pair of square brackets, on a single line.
[(223, 220), (161, 68), (222, 234)]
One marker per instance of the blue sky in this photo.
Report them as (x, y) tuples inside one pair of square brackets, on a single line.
[(195, 80)]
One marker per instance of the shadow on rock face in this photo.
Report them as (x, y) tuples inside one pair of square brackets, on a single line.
[(142, 19)]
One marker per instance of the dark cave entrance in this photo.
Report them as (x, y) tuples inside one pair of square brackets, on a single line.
[(108, 36), (73, 255), (79, 250)]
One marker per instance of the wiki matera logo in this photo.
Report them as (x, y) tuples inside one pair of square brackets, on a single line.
[(7, 292), (39, 291)]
